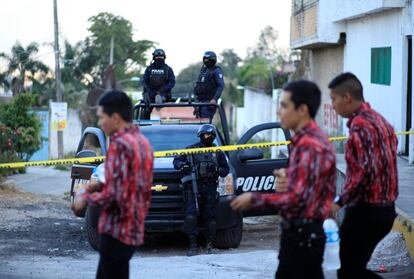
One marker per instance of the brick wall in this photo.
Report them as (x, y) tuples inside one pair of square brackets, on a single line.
[(304, 24)]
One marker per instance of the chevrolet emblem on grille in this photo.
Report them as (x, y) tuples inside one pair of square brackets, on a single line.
[(159, 188)]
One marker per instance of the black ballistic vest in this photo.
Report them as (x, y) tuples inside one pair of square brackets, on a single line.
[(207, 166), (158, 77), (206, 85)]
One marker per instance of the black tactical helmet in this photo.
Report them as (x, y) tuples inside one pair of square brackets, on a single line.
[(210, 55), (206, 129), (158, 52)]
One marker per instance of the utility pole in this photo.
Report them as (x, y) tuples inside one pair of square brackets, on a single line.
[(57, 75), (111, 52)]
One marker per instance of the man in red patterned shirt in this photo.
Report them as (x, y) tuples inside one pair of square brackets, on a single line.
[(371, 185), (125, 196), (306, 192)]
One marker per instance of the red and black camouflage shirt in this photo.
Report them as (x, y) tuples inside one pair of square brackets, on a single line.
[(371, 157), (311, 178), (126, 193)]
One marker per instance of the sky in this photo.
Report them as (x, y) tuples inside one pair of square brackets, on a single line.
[(183, 28)]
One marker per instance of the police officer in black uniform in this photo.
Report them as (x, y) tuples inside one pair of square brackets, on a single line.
[(158, 80), (210, 85), (209, 166)]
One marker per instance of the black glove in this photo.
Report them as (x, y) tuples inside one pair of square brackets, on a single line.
[(196, 112), (147, 100), (185, 169)]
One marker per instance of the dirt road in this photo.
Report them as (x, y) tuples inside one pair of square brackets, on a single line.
[(40, 238)]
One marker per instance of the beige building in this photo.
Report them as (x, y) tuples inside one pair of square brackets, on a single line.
[(323, 55)]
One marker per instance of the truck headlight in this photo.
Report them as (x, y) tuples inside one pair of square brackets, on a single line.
[(225, 185)]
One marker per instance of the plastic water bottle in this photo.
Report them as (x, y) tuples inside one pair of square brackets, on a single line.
[(100, 173), (94, 176), (331, 256)]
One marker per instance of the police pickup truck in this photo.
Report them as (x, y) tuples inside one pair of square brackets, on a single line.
[(250, 170)]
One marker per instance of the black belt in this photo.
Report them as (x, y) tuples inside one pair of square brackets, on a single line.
[(373, 205), (300, 222)]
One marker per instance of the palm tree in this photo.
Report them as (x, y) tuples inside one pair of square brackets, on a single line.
[(3, 82), (22, 62)]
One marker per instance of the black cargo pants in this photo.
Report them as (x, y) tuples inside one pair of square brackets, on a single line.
[(363, 227), (302, 245), (114, 258), (207, 200)]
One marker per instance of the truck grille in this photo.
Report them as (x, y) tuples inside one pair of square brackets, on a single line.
[(167, 204)]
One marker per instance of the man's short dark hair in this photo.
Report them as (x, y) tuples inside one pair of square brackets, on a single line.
[(116, 101), (304, 92), (347, 82)]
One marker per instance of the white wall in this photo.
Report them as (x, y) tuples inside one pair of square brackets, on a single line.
[(364, 34), (328, 29), (257, 110), (355, 8), (71, 135)]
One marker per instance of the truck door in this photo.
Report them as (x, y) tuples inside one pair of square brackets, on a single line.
[(254, 167)]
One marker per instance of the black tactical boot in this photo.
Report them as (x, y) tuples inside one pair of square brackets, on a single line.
[(193, 250), (209, 247)]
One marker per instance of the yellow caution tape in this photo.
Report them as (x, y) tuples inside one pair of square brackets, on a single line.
[(168, 153), (53, 162)]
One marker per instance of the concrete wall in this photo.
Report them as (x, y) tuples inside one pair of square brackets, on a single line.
[(43, 152), (329, 30), (364, 34), (257, 110), (326, 64), (71, 135)]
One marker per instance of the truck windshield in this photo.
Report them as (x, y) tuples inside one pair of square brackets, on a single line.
[(170, 139)]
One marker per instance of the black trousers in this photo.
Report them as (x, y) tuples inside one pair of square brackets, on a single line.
[(207, 112), (363, 227), (114, 258), (207, 198), (301, 252)]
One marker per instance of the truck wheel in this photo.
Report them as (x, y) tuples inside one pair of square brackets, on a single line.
[(230, 238), (91, 219)]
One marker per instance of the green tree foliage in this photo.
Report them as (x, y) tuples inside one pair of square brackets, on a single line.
[(74, 81), (7, 153), (186, 80), (255, 72), (128, 53), (265, 62), (21, 128), (229, 63), (266, 47), (3, 81)]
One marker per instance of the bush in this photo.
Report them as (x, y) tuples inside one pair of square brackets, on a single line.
[(8, 137), (20, 127)]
